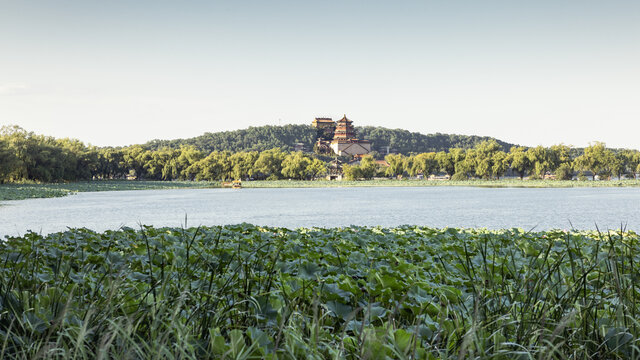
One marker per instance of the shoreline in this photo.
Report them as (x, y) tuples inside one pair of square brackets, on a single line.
[(35, 191)]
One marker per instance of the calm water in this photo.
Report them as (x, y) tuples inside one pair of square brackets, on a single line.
[(431, 206)]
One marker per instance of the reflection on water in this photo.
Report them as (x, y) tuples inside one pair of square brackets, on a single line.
[(539, 209)]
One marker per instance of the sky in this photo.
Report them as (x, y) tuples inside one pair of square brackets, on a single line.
[(123, 72)]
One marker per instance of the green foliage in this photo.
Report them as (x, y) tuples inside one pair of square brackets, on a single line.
[(269, 163), (446, 162), (25, 157), (539, 159), (259, 139), (519, 161), (351, 172), (296, 166), (460, 176), (250, 292), (564, 172), (424, 164), (396, 164), (267, 137), (406, 142), (368, 167), (597, 159)]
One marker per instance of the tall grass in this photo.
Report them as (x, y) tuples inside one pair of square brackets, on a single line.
[(247, 292)]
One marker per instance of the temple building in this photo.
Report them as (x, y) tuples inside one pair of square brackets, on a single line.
[(323, 123), (345, 142), (339, 137)]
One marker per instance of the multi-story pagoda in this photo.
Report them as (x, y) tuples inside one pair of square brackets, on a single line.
[(344, 129), (339, 137), (345, 141)]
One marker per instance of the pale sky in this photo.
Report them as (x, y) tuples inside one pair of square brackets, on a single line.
[(121, 72)]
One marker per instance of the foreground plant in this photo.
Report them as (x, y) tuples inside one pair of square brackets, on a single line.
[(244, 291)]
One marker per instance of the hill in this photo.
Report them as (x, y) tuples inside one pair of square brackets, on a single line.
[(267, 137)]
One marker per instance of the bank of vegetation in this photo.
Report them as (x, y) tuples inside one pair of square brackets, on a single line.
[(25, 156), (49, 190), (487, 161), (250, 292)]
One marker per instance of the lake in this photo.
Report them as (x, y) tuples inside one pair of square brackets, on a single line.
[(494, 208)]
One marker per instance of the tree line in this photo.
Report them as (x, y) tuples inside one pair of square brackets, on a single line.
[(25, 156), (487, 160)]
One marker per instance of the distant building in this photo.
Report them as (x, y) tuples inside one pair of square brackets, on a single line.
[(345, 142), (339, 137), (323, 123), (334, 170)]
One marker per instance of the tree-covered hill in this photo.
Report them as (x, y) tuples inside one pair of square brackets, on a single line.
[(257, 138), (404, 141), (268, 137)]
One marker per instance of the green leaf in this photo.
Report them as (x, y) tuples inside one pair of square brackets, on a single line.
[(308, 271), (338, 309)]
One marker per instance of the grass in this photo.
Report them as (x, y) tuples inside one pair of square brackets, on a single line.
[(27, 191), (248, 292)]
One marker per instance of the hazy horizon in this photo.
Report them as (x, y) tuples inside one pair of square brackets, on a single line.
[(118, 73)]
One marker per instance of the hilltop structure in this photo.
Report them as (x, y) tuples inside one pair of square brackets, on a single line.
[(339, 137)]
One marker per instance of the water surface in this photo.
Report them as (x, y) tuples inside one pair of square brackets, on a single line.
[(540, 209)]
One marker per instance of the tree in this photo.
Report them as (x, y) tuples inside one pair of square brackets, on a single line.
[(18, 142), (519, 161), (189, 156), (368, 167), (424, 164), (269, 163), (624, 164), (539, 161), (634, 163), (558, 155), (243, 164), (484, 167), (295, 165), (161, 164), (134, 158), (597, 159), (396, 164), (465, 166), (216, 166), (351, 172), (8, 162), (446, 163), (316, 168), (564, 171), (500, 164)]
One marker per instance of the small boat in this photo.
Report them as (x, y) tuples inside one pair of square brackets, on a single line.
[(235, 184)]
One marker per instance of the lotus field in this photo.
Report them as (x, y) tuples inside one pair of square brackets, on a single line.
[(250, 292)]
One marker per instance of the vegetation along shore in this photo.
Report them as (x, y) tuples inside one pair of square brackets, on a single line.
[(25, 156), (34, 190), (250, 292)]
